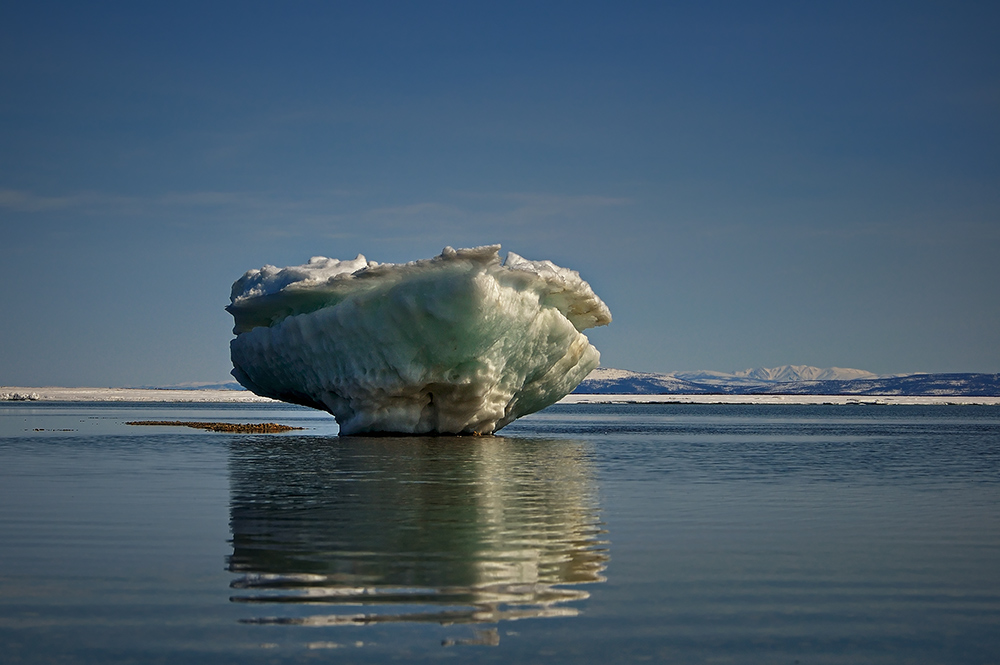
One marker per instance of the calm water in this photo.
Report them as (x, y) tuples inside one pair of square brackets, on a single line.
[(860, 534)]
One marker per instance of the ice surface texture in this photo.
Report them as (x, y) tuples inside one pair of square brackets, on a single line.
[(457, 344)]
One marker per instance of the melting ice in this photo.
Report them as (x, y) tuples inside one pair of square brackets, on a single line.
[(458, 344)]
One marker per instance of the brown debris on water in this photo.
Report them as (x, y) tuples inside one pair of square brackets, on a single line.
[(247, 428)]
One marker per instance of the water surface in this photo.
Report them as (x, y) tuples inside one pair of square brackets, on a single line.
[(686, 533)]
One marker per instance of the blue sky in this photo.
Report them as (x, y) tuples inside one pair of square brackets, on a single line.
[(745, 184)]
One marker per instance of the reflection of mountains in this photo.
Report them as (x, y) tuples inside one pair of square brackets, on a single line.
[(415, 529)]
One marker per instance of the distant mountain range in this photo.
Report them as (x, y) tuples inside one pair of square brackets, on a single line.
[(227, 385), (784, 380), (788, 380)]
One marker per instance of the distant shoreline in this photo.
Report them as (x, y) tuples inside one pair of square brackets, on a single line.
[(780, 399), (27, 395), (57, 394)]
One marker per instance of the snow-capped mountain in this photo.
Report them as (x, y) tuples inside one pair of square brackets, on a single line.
[(806, 373), (788, 379), (783, 373), (195, 385), (624, 382)]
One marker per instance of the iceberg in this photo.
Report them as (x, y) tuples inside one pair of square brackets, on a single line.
[(458, 344)]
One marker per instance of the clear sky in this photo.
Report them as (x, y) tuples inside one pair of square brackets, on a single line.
[(745, 184)]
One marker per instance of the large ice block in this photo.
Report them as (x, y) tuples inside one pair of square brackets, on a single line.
[(457, 344)]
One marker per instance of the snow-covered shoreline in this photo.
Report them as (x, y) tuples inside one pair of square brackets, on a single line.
[(56, 394), (777, 399)]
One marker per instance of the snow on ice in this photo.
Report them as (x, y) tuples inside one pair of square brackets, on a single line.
[(458, 344)]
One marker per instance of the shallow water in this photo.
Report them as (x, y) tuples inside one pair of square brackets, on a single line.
[(594, 533)]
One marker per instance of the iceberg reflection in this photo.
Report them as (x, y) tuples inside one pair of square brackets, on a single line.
[(415, 529)]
